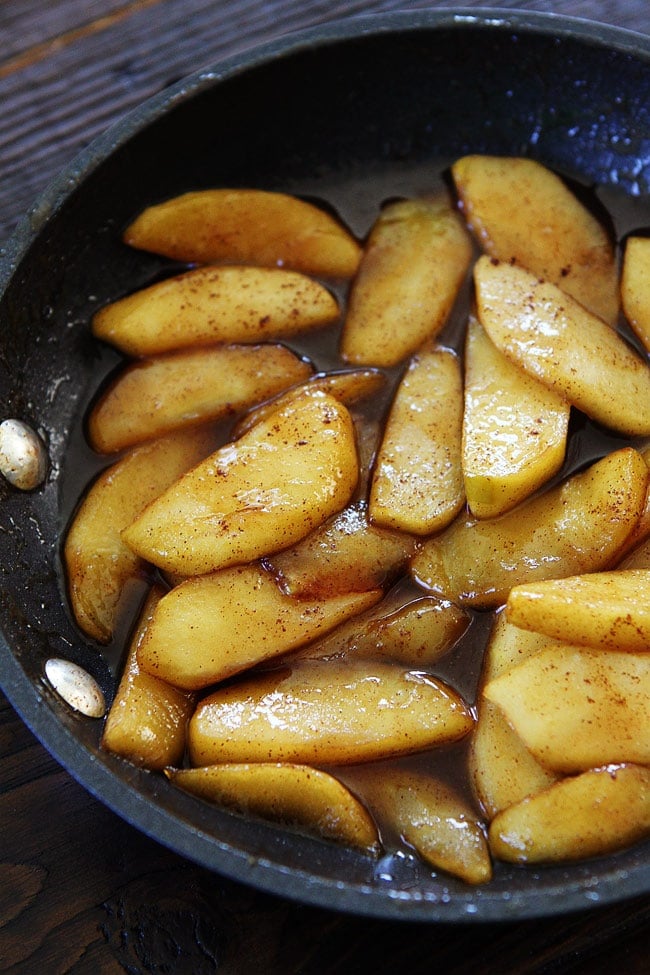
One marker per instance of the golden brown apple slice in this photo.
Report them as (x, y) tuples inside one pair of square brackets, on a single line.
[(635, 286), (249, 227), (514, 429), (578, 708), (215, 305), (412, 268), (501, 768), (153, 397), (578, 526), (212, 627), (415, 632), (295, 795), (593, 814), (599, 609), (251, 498), (521, 211), (561, 344), (327, 713), (148, 718), (417, 484), (347, 386), (346, 554), (99, 565), (432, 818)]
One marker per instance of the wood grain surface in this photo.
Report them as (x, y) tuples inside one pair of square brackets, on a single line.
[(81, 891)]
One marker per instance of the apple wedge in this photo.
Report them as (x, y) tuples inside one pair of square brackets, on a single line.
[(153, 397), (577, 526), (348, 386), (412, 631), (593, 814), (413, 266), (441, 826), (610, 610), (346, 554), (324, 712), (99, 566), (215, 305), (635, 286), (557, 341), (295, 795), (148, 718), (501, 768), (514, 429), (251, 498), (212, 627), (521, 211), (417, 483), (247, 226), (577, 708)]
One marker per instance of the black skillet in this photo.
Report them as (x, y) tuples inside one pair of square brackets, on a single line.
[(316, 113)]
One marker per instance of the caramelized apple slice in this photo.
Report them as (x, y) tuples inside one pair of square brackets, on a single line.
[(599, 609), (347, 386), (520, 211), (251, 498), (295, 795), (148, 718), (594, 814), (514, 429), (441, 826), (578, 526), (212, 627), (576, 708), (248, 227), (413, 631), (99, 565), (153, 397), (412, 268), (215, 305), (346, 554), (327, 713), (417, 484), (502, 769), (560, 343), (635, 286)]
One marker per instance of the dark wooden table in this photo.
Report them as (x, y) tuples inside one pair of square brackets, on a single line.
[(81, 891)]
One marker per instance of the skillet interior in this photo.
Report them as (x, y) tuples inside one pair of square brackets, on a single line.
[(308, 113)]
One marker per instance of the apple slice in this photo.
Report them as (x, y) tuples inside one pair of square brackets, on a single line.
[(578, 708), (100, 567), (413, 631), (249, 227), (593, 814), (346, 554), (521, 211), (557, 341), (148, 718), (417, 484), (578, 526), (440, 825), (214, 626), (413, 265), (635, 286), (251, 498), (514, 429), (153, 397), (295, 795), (610, 610), (327, 712), (215, 305)]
